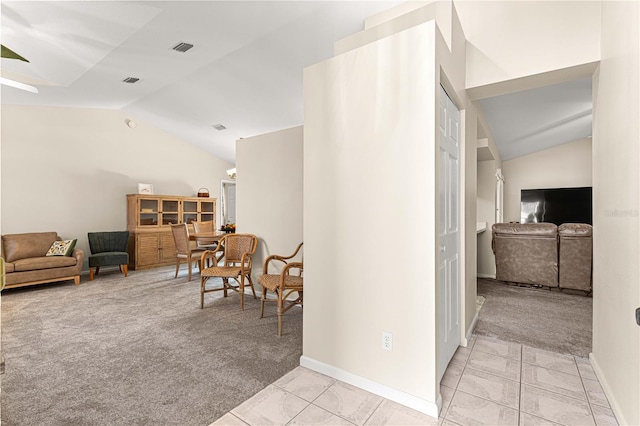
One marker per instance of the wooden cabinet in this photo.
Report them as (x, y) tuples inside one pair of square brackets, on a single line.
[(148, 218)]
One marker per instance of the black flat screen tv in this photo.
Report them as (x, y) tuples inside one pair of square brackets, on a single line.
[(556, 205)]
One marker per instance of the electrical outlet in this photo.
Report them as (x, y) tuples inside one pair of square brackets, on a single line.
[(387, 341)]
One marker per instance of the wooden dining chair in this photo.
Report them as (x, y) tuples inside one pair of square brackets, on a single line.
[(183, 248), (208, 226), (283, 284), (233, 260)]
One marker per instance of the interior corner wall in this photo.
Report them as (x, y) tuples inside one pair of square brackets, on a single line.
[(450, 59), (469, 190), (616, 229), (486, 198), (69, 169), (269, 191), (563, 166), (486, 212), (373, 127), (542, 36)]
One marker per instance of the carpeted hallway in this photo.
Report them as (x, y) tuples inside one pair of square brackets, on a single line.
[(137, 351), (537, 317)]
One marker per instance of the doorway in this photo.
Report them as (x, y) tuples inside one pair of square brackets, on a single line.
[(228, 202)]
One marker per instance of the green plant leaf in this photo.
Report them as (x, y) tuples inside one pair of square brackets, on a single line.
[(8, 53)]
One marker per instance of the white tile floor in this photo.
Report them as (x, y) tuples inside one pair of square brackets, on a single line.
[(491, 382)]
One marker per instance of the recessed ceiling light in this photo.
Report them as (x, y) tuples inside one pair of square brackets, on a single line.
[(131, 80), (182, 47), (219, 127)]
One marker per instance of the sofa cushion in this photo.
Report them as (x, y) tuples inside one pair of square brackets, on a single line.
[(525, 229), (21, 246), (61, 248), (8, 267), (44, 262), (575, 230)]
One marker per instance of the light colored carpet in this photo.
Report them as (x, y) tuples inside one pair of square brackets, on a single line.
[(137, 351), (541, 318)]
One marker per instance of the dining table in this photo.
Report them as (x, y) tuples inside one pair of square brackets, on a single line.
[(207, 238)]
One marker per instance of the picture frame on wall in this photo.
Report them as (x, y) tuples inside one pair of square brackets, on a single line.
[(145, 188)]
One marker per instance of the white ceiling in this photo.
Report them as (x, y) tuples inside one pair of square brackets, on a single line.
[(532, 120), (244, 72)]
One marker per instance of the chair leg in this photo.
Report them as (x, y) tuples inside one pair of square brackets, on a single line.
[(125, 270), (177, 266), (242, 292), (280, 303), (264, 296), (203, 280), (90, 274), (225, 285), (97, 270), (251, 284)]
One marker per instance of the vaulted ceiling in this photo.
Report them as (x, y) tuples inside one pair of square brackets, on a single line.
[(244, 70)]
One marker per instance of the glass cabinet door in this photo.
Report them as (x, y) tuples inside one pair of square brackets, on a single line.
[(189, 211), (207, 211), (148, 211), (170, 211)]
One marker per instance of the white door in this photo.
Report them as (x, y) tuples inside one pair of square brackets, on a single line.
[(449, 233), (231, 203)]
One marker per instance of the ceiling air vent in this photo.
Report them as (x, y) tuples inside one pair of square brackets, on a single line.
[(219, 127), (182, 47), (131, 80)]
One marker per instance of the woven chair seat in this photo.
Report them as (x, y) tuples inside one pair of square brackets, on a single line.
[(221, 271), (272, 282), (235, 252), (284, 284)]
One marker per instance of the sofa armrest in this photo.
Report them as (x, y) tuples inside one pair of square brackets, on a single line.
[(79, 255)]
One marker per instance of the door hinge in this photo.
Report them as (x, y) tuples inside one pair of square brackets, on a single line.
[(1, 364), (638, 316)]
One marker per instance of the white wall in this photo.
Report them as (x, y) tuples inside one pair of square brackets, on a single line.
[(370, 119), (269, 191), (486, 212), (563, 166), (369, 186), (68, 170), (616, 231), (512, 39), (489, 162)]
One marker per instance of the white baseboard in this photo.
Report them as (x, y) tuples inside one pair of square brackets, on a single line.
[(471, 328), (427, 407), (491, 276), (615, 407)]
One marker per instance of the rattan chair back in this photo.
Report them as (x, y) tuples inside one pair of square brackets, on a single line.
[(181, 239), (235, 245)]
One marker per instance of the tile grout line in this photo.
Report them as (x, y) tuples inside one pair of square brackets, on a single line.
[(593, 416), (520, 382), (374, 411)]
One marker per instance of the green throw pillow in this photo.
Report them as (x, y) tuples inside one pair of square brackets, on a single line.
[(62, 248)]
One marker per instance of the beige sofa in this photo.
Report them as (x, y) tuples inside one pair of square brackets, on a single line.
[(526, 253), (544, 254), (26, 262)]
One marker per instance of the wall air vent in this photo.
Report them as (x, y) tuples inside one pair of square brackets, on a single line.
[(182, 47), (219, 127), (131, 80)]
